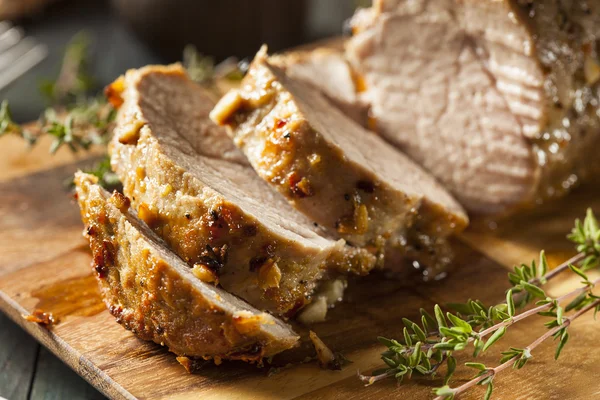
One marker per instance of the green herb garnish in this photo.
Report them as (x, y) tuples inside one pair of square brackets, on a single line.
[(74, 82), (431, 342), (106, 178), (79, 121), (75, 119), (9, 126), (202, 69)]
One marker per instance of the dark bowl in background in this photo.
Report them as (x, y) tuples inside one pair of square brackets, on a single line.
[(219, 28)]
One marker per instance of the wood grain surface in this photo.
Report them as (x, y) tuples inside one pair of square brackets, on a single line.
[(44, 262)]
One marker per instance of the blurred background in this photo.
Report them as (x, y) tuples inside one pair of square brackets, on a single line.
[(130, 33)]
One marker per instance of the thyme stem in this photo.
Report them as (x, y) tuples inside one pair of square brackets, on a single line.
[(522, 315), (575, 260), (556, 271), (370, 379), (536, 310), (492, 372)]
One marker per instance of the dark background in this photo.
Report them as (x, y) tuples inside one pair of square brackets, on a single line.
[(131, 33), (114, 48)]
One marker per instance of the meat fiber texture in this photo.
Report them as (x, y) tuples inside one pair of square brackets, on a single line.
[(497, 99), (327, 70), (345, 178), (192, 187), (154, 293)]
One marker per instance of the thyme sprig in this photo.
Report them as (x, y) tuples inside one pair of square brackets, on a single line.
[(78, 121), (202, 69), (9, 126), (515, 357), (431, 343), (81, 126), (85, 124), (75, 119), (74, 81)]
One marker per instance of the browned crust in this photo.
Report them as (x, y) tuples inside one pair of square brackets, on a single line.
[(203, 227), (309, 171), (297, 161), (150, 297)]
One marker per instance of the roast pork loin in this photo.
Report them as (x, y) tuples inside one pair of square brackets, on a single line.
[(154, 293), (327, 70), (498, 99), (337, 173), (212, 210)]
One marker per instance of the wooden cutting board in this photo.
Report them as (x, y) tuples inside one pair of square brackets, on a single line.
[(45, 263)]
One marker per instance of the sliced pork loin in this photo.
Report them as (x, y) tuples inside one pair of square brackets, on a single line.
[(213, 211), (328, 70), (153, 293), (330, 168), (498, 99)]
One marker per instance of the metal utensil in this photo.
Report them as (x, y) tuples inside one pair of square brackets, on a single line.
[(18, 53)]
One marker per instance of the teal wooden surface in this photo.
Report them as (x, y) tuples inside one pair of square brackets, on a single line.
[(53, 380), (29, 371), (18, 353)]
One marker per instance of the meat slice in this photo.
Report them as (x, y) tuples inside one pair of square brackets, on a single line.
[(334, 171), (328, 70), (186, 180), (498, 99), (153, 293)]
